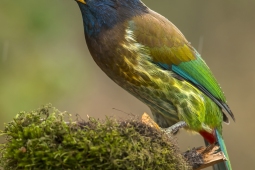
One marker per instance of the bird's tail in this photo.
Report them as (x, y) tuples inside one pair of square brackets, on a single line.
[(222, 165), (226, 164)]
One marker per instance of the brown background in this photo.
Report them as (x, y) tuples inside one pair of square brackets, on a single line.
[(44, 58)]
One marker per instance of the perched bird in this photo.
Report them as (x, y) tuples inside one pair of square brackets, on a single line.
[(144, 53)]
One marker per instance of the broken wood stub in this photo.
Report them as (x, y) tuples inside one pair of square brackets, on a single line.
[(202, 157)]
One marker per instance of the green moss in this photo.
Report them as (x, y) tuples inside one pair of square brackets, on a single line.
[(48, 139)]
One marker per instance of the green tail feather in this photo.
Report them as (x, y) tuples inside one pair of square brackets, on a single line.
[(226, 164), (222, 165)]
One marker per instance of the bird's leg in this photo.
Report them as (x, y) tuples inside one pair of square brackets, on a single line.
[(174, 128)]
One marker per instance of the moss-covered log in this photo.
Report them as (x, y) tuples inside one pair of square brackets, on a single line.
[(49, 139)]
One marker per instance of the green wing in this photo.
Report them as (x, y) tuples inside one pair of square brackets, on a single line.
[(169, 49)]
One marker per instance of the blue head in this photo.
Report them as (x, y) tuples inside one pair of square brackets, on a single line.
[(104, 14)]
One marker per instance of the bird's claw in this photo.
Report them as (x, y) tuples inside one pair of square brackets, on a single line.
[(209, 148)]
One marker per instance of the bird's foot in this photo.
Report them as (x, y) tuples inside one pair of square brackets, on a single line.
[(209, 147), (174, 128)]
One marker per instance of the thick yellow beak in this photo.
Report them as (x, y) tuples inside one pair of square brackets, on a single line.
[(81, 1)]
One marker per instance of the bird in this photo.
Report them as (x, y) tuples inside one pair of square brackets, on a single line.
[(148, 56)]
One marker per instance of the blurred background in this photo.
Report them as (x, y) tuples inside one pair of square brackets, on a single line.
[(44, 59)]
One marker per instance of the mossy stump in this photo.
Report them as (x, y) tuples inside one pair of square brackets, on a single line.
[(48, 139)]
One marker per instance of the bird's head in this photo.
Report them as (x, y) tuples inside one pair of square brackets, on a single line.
[(104, 14)]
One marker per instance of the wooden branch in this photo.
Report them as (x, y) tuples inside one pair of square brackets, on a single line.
[(146, 119), (198, 158), (203, 157)]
